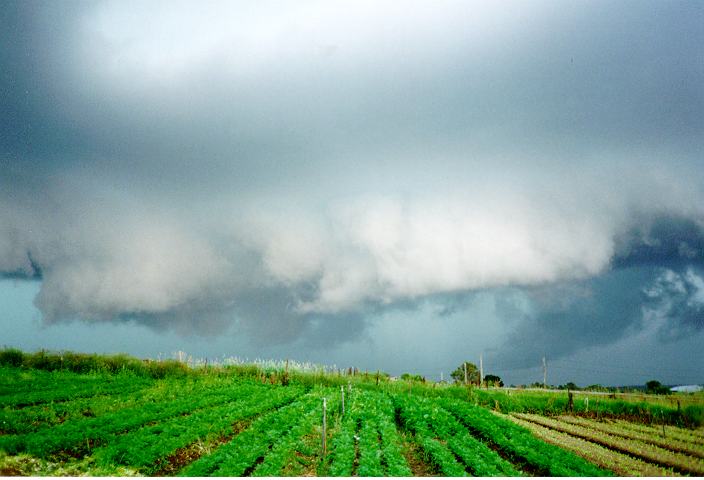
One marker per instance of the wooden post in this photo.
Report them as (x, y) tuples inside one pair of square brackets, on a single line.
[(597, 409), (324, 439), (377, 377), (570, 401), (464, 364), (342, 392)]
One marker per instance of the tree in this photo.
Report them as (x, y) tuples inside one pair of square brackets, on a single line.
[(472, 374), (412, 378), (653, 386), (493, 380)]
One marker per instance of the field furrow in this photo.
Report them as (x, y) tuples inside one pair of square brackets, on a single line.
[(248, 449), (79, 436), (34, 418), (687, 435), (619, 463), (679, 461), (658, 440), (148, 447), (520, 443), (283, 453), (426, 418)]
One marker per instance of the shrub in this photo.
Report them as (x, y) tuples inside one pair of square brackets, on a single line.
[(11, 357)]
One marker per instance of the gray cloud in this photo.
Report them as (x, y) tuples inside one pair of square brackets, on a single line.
[(289, 172)]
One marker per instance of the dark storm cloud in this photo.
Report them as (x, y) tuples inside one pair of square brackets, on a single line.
[(289, 171), (663, 241), (564, 319)]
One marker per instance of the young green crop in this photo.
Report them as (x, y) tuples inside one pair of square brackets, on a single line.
[(343, 444), (416, 421), (242, 453), (519, 443), (72, 391), (139, 448), (369, 432), (33, 418), (81, 435), (283, 451), (393, 460), (425, 417)]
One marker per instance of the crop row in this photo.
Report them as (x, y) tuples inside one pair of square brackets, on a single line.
[(396, 465), (15, 380), (653, 439), (77, 436), (688, 435), (428, 421), (344, 449), (250, 446), (640, 449), (284, 451), (549, 403), (73, 390), (148, 447), (369, 435), (520, 444), (622, 465), (33, 418)]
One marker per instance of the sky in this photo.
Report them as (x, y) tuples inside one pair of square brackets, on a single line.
[(389, 185)]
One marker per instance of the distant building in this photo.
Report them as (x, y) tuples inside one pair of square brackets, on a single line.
[(687, 388)]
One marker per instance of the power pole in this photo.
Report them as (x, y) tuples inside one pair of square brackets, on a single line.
[(545, 373), (481, 371), (441, 379)]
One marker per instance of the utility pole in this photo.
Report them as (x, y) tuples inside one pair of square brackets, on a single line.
[(441, 379), (481, 371), (545, 373)]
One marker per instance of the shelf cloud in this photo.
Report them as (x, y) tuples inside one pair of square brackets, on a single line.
[(267, 168)]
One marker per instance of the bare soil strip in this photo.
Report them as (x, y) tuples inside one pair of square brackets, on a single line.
[(654, 439), (666, 458), (414, 456), (619, 463), (189, 454)]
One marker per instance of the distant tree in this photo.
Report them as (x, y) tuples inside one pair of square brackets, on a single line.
[(472, 374), (493, 380), (412, 378), (653, 386), (596, 388), (569, 386)]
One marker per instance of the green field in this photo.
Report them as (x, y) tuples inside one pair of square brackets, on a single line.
[(71, 414)]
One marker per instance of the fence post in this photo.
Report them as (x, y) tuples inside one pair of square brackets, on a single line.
[(324, 442)]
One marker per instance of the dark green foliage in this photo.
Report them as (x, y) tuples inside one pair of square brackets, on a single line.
[(91, 363), (426, 420), (412, 378), (657, 388), (520, 443), (493, 381), (472, 374), (11, 357)]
